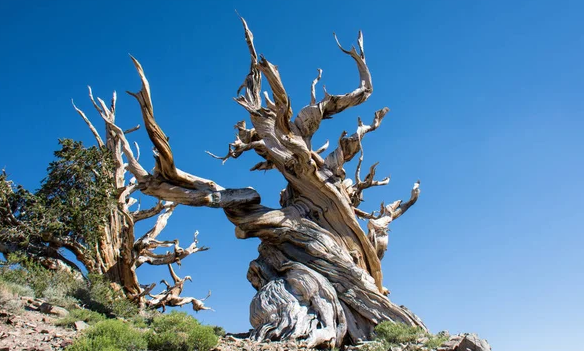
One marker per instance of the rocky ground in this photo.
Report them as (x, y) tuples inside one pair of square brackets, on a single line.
[(33, 329), (240, 342), (459, 342)]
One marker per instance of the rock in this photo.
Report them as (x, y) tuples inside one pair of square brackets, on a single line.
[(465, 342), (473, 343), (66, 342), (451, 344), (444, 333), (80, 325), (54, 310), (423, 340)]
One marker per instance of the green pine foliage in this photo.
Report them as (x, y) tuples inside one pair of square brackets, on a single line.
[(71, 206), (43, 282), (78, 191)]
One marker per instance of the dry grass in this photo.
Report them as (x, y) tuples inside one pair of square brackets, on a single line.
[(10, 297)]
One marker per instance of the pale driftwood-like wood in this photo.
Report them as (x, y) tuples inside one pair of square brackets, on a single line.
[(318, 274), (171, 295), (119, 251)]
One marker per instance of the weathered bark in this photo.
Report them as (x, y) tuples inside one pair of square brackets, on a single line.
[(318, 275), (118, 252)]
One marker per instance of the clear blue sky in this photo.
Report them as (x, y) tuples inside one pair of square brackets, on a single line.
[(487, 101)]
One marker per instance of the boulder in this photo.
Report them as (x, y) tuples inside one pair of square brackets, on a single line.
[(54, 310), (80, 325), (471, 342)]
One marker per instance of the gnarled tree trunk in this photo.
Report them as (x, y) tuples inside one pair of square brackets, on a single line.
[(318, 275), (118, 252)]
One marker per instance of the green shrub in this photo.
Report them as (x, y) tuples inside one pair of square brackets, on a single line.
[(64, 289), (60, 297), (99, 296), (219, 331), (390, 334), (395, 333), (15, 288), (9, 298), (110, 335), (435, 341), (177, 331), (87, 316), (21, 270), (375, 346), (143, 318)]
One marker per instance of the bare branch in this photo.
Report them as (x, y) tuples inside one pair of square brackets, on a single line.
[(147, 244), (333, 104), (183, 194), (134, 167), (309, 118), (137, 151), (263, 166), (365, 215), (269, 101), (151, 212), (179, 253), (191, 190), (161, 222), (252, 100), (237, 148), (99, 110), (349, 146), (398, 208), (282, 102), (146, 289), (313, 87), (171, 296), (378, 226), (90, 125), (133, 129), (323, 148), (357, 195), (175, 277), (81, 252)]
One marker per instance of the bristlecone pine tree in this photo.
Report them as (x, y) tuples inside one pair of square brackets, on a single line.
[(83, 207), (318, 275)]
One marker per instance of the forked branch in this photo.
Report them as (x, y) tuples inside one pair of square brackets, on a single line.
[(349, 146), (309, 118), (378, 226), (171, 296)]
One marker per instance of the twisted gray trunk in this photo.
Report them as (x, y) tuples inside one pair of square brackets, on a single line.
[(318, 275)]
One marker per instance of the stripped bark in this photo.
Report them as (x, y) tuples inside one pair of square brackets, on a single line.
[(119, 251), (318, 275)]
